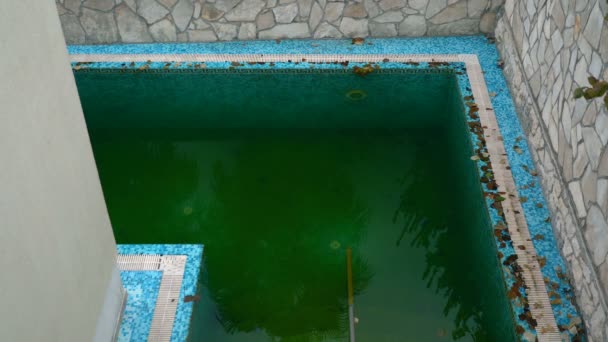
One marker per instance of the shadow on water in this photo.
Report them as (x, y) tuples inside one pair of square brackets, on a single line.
[(148, 186)]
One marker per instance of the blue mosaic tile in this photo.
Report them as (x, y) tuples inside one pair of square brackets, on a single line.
[(535, 208), (142, 289), (194, 254)]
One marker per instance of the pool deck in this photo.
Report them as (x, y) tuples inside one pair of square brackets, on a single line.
[(534, 271), (157, 278)]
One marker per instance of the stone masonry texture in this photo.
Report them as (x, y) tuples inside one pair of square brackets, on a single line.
[(549, 48), (144, 21)]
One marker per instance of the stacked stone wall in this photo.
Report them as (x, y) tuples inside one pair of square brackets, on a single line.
[(549, 48), (143, 21)]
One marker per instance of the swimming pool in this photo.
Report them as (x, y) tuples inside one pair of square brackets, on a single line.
[(411, 112), (279, 173)]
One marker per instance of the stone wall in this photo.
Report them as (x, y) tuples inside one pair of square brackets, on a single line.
[(140, 21), (549, 48)]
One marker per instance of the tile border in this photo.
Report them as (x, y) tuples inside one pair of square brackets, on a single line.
[(172, 270), (180, 266)]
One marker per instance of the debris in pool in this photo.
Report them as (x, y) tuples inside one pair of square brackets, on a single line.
[(523, 199), (335, 244), (539, 205), (434, 64), (356, 94), (358, 41), (187, 211), (441, 332), (364, 70), (192, 298), (235, 64), (492, 94), (539, 237)]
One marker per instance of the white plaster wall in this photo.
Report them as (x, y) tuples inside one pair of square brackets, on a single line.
[(57, 250)]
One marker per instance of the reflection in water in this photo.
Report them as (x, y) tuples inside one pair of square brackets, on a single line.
[(431, 233), (299, 218), (276, 216)]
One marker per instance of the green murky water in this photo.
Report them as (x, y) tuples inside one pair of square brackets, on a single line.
[(277, 174)]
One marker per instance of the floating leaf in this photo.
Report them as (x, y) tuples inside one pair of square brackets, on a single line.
[(539, 237), (539, 205), (523, 199), (358, 41), (192, 298), (499, 198), (363, 71)]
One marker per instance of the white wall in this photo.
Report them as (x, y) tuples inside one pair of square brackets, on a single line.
[(57, 250)]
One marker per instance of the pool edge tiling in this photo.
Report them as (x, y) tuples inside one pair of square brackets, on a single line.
[(540, 294), (159, 277)]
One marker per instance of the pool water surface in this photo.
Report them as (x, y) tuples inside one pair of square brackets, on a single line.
[(277, 174)]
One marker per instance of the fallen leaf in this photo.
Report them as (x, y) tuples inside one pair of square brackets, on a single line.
[(517, 149), (192, 298)]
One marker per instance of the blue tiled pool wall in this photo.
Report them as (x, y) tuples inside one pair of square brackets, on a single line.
[(145, 285), (522, 167)]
